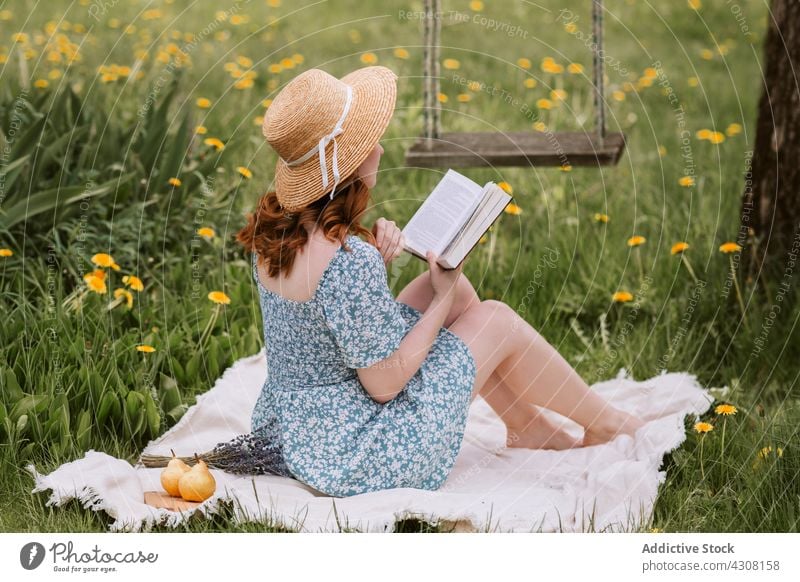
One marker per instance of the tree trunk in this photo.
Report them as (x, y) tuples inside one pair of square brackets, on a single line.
[(770, 215)]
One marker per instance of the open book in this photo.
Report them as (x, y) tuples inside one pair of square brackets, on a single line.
[(453, 218)]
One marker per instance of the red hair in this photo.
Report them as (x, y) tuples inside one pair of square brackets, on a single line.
[(277, 236)]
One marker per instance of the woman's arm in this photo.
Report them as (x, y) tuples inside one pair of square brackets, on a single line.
[(385, 379)]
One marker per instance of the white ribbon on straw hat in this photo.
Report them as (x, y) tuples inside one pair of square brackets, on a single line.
[(323, 143)]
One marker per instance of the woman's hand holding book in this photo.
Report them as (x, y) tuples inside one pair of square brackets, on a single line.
[(443, 281), (389, 239)]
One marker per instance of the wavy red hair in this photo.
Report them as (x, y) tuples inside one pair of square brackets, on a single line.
[(277, 236)]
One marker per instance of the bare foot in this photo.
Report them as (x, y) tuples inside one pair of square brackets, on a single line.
[(626, 424), (541, 433)]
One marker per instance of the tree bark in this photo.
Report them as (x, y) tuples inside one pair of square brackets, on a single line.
[(770, 212)]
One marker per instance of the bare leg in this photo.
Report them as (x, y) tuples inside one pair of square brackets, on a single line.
[(526, 426), (502, 342), (419, 294)]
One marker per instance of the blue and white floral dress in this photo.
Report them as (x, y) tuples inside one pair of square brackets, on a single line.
[(332, 435)]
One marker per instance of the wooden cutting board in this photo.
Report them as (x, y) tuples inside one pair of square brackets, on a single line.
[(162, 499)]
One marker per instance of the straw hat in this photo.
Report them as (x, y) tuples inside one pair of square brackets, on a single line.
[(323, 128)]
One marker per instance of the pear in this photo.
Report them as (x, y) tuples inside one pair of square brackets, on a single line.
[(170, 476), (197, 484)]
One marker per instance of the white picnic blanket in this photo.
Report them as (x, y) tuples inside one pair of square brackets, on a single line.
[(609, 487)]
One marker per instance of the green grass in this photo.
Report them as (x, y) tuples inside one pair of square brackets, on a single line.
[(553, 262)]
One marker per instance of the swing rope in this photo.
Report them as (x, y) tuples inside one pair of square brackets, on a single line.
[(431, 86)]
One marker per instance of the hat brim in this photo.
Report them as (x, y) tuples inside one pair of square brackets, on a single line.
[(372, 107)]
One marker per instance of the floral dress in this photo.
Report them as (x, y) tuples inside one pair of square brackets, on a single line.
[(330, 433)]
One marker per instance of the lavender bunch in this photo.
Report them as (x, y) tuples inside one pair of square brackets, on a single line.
[(247, 454)]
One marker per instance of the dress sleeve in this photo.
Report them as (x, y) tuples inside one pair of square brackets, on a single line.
[(361, 312)]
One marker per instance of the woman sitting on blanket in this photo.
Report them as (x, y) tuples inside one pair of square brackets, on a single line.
[(364, 391)]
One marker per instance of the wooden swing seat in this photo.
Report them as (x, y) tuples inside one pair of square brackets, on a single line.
[(473, 149)]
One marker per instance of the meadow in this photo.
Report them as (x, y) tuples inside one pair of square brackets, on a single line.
[(132, 150)]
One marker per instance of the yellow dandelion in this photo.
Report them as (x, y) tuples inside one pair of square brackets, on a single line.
[(693, 81), (206, 232), (476, 5), (600, 217), (662, 151), (115, 266), (530, 83), (203, 103), (243, 84), (622, 297), (6, 252), (729, 247), (765, 451), (258, 120), (706, 54), (694, 4), (636, 240), (703, 133), (512, 209), (678, 248), (275, 68), (544, 104), (726, 409), (266, 103), (464, 97), (174, 182), (219, 298), (558, 94), (133, 282), (539, 126), (442, 98), (548, 65), (124, 293), (41, 83), (145, 349), (244, 172), (103, 260), (201, 130), (575, 68), (703, 427), (369, 58), (565, 167), (686, 181), (98, 273), (618, 95), (216, 143), (451, 64), (733, 129), (507, 188), (401, 53), (716, 137), (95, 284), (523, 62)]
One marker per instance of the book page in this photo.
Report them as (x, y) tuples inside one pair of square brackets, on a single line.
[(492, 204), (442, 214)]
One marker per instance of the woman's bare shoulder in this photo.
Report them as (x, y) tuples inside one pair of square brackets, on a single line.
[(310, 265)]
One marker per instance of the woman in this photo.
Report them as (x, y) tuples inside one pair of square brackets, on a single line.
[(364, 391)]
